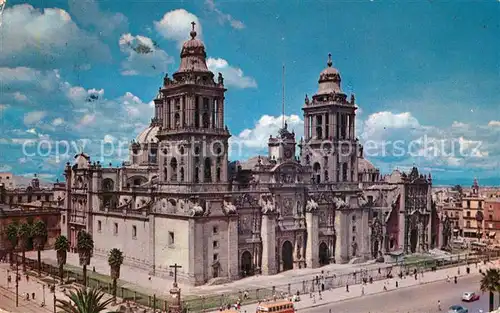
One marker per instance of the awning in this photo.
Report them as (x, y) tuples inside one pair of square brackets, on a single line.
[(456, 230)]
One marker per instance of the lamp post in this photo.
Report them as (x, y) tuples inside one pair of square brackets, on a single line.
[(17, 282), (43, 294), (55, 301)]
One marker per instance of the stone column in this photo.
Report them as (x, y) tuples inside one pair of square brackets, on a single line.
[(313, 126), (306, 127), (232, 248), (342, 231), (402, 223), (268, 234), (365, 244), (182, 111), (312, 245), (353, 126), (325, 126), (151, 248), (221, 104)]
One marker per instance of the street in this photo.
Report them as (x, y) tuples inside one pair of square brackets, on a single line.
[(422, 298)]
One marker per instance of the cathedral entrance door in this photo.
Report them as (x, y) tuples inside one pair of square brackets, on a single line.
[(246, 264), (413, 240), (287, 255), (323, 254)]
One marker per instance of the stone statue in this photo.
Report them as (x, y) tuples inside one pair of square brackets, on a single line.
[(306, 100), (339, 203), (220, 79), (311, 206), (229, 208), (267, 205), (196, 210), (166, 80)]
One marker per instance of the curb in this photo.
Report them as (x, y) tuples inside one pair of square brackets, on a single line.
[(375, 293)]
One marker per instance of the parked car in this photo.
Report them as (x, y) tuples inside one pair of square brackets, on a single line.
[(457, 309), (470, 296)]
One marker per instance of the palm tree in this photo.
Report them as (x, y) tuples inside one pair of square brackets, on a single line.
[(84, 300), (11, 232), (85, 246), (115, 261), (62, 248), (39, 233), (24, 234), (490, 282)]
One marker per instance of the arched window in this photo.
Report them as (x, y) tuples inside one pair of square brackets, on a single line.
[(108, 185), (317, 172), (217, 175), (326, 176), (344, 171), (173, 170), (181, 150), (165, 174), (197, 174), (206, 121), (177, 120), (208, 170), (196, 112), (153, 153), (182, 174)]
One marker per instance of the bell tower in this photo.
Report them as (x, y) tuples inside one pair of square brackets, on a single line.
[(193, 139), (329, 145)]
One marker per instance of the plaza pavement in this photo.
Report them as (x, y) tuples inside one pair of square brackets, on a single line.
[(308, 303), (140, 280)]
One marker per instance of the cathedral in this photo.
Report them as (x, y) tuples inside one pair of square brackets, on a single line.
[(309, 202)]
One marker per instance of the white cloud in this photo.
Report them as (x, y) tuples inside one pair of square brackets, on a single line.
[(19, 96), (34, 117), (223, 17), (494, 124), (57, 121), (258, 136), (176, 25), (233, 76), (143, 56), (88, 13), (48, 39)]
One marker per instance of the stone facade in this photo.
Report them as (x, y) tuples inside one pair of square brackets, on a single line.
[(179, 199)]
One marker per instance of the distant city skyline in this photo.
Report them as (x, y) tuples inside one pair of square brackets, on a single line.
[(86, 72)]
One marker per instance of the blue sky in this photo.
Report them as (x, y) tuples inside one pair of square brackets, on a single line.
[(423, 72)]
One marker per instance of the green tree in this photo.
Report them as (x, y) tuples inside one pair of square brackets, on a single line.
[(84, 300), (11, 232), (39, 233), (62, 248), (85, 246), (115, 261), (490, 282), (24, 234)]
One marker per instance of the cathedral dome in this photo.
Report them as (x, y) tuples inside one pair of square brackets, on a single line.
[(329, 79), (365, 165), (193, 55), (148, 135)]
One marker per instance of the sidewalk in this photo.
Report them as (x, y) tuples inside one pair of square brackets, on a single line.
[(356, 291), (36, 285)]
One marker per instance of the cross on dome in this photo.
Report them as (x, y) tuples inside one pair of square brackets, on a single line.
[(193, 32)]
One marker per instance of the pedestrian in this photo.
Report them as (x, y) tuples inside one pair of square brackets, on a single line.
[(27, 277), (33, 295), (397, 285), (347, 287), (362, 290), (439, 305), (455, 279), (314, 298)]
